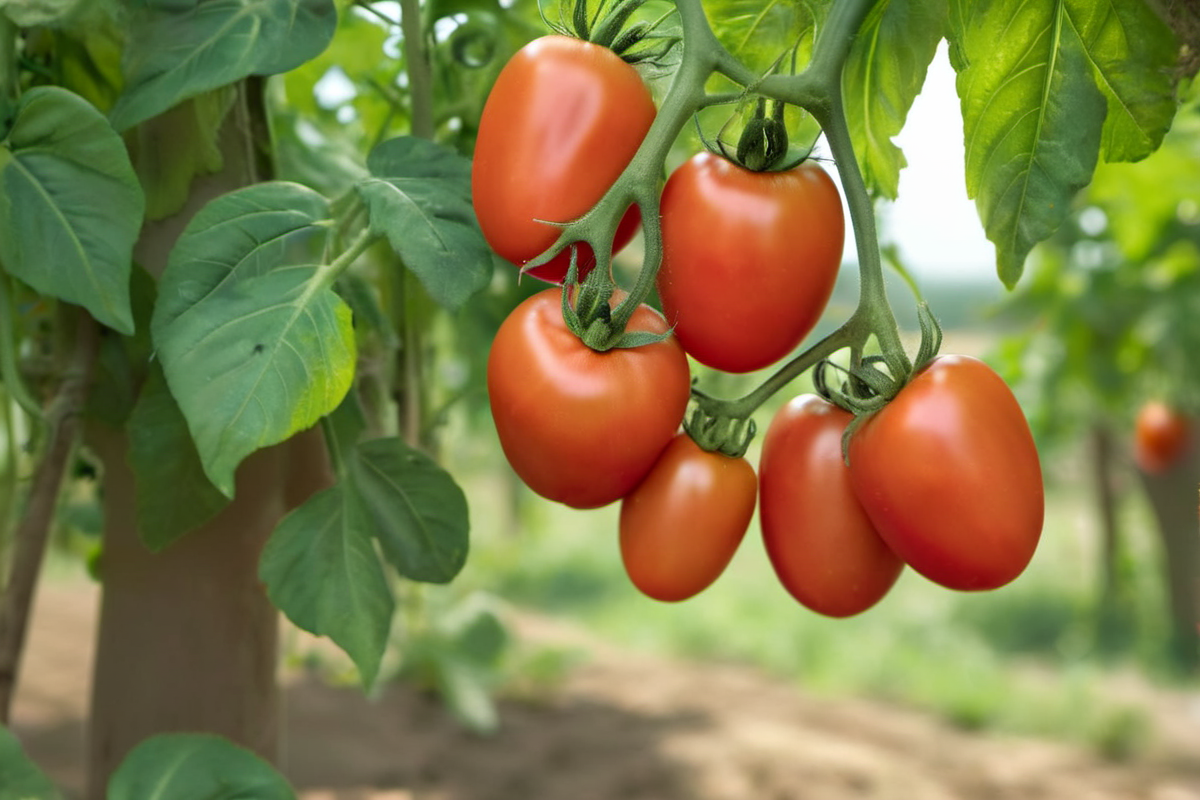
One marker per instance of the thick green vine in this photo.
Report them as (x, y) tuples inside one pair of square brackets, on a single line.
[(818, 90)]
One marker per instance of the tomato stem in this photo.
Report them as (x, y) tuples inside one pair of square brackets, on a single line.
[(329, 273), (420, 72)]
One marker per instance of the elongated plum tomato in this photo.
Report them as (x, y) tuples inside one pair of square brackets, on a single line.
[(820, 541), (949, 475), (1160, 437), (682, 524), (579, 426), (562, 121), (749, 258)]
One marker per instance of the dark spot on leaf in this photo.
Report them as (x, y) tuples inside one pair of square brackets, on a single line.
[(258, 348)]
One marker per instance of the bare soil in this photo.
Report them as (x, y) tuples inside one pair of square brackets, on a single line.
[(623, 726)]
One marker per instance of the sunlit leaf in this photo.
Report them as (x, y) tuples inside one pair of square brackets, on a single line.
[(70, 204), (254, 347), (321, 569), (180, 48), (1133, 53), (257, 361), (419, 514), (883, 76), (419, 197), (195, 766), (1032, 117)]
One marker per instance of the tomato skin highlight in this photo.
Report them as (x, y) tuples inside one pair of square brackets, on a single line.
[(563, 120), (820, 541), (749, 258), (949, 475), (582, 427), (681, 526), (1161, 437)]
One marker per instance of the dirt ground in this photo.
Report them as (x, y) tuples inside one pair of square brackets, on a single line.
[(622, 726)]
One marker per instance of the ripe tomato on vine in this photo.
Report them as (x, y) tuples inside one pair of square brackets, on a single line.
[(749, 258), (561, 122)]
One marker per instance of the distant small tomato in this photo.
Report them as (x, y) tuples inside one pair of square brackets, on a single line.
[(819, 539), (1161, 435), (682, 524)]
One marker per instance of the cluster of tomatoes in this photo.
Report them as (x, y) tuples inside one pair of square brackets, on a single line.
[(945, 478)]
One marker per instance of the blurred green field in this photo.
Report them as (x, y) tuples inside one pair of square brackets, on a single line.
[(1030, 658)]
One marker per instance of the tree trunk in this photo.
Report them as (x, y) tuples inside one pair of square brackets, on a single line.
[(187, 639), (1173, 498)]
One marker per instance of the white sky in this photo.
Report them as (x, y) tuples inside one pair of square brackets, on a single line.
[(933, 222)]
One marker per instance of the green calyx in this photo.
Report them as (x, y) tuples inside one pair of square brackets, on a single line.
[(636, 42), (763, 144), (730, 436), (590, 316)]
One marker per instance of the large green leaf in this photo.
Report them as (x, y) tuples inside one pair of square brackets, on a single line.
[(1032, 117), (419, 197), (254, 347), (239, 235), (174, 495), (22, 780), (883, 76), (195, 766), (255, 362), (70, 204), (321, 569), (419, 514), (1133, 54), (180, 48)]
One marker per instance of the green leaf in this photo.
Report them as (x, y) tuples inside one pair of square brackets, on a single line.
[(195, 766), (174, 495), (419, 514), (1032, 118), (180, 48), (257, 361), (321, 570), (1133, 55), (22, 779), (239, 235), (70, 205), (883, 75), (758, 31), (419, 197), (254, 347)]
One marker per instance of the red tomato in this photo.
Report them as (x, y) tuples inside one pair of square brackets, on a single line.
[(821, 543), (1161, 437), (579, 426), (562, 121), (749, 258), (949, 474), (682, 524)]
